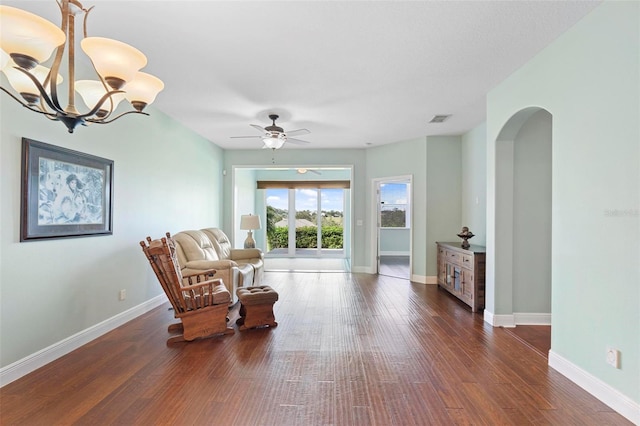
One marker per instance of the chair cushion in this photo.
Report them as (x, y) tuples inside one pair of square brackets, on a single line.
[(220, 242), (194, 245)]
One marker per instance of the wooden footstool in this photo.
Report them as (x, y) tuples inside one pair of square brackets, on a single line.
[(256, 307)]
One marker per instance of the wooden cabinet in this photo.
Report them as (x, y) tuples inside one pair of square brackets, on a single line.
[(461, 272)]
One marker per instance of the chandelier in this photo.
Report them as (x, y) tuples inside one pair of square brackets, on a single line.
[(28, 40)]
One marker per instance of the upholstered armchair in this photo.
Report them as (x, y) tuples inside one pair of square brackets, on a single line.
[(210, 248)]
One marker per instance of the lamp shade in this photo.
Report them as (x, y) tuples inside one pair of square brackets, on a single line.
[(115, 61), (249, 222), (143, 88), (29, 35), (23, 84), (4, 59), (92, 91)]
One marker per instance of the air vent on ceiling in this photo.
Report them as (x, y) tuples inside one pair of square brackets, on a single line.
[(440, 118)]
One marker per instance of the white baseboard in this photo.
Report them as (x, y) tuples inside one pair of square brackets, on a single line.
[(422, 279), (523, 318), (596, 387), (395, 253), (507, 321), (34, 361), (517, 318)]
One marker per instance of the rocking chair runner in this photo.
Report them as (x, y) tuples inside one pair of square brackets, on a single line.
[(200, 302)]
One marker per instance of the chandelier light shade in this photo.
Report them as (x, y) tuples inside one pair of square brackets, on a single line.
[(114, 61), (4, 59), (91, 91), (143, 89), (22, 84), (249, 222), (27, 40)]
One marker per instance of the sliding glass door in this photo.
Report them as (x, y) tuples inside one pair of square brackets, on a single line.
[(315, 229)]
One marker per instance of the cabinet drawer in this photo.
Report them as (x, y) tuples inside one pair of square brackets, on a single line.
[(454, 257), (467, 260)]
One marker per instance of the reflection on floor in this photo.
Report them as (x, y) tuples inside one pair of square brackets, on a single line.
[(536, 336), (395, 266), (306, 264)]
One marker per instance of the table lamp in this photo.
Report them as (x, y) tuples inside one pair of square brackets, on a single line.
[(249, 222)]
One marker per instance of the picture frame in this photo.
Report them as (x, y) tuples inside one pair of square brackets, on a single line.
[(65, 193)]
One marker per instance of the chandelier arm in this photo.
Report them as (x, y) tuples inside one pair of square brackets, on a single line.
[(50, 115), (43, 93), (99, 104), (55, 67), (107, 90), (84, 22), (103, 121)]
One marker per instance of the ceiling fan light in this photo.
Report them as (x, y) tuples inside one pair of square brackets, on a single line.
[(28, 38), (115, 61), (143, 89), (273, 141), (92, 91)]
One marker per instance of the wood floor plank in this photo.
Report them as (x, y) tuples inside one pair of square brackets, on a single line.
[(350, 349)]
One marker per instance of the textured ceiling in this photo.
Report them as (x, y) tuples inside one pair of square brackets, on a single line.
[(355, 73)]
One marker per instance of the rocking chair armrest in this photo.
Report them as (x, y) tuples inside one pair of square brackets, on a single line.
[(208, 283), (204, 272), (207, 289)]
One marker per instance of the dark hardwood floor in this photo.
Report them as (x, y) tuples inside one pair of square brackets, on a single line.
[(537, 336), (395, 266), (350, 349)]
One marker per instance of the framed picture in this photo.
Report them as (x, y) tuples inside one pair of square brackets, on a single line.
[(65, 193)]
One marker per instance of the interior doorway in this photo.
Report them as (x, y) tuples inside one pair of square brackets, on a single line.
[(524, 232), (393, 226)]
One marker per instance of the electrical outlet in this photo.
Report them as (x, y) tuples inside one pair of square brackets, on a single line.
[(613, 357), (122, 295)]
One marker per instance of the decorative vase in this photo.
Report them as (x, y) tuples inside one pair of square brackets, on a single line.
[(465, 234)]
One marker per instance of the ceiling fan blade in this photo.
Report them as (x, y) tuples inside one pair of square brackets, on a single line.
[(298, 132), (297, 141), (258, 128), (240, 137), (304, 170)]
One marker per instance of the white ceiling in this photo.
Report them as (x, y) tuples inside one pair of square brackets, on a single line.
[(355, 73)]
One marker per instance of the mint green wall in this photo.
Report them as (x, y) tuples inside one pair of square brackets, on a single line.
[(588, 80), (532, 216), (166, 178), (474, 183), (400, 159), (244, 184), (395, 241), (444, 194)]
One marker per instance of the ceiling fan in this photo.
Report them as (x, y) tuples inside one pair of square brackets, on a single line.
[(304, 170), (274, 137)]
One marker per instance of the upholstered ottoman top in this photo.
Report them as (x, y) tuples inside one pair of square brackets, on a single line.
[(259, 295)]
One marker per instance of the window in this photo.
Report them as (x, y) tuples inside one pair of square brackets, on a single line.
[(394, 211)]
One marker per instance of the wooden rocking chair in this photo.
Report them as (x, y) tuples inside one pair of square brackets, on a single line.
[(199, 301)]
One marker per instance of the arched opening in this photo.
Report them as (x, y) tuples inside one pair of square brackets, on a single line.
[(523, 201)]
